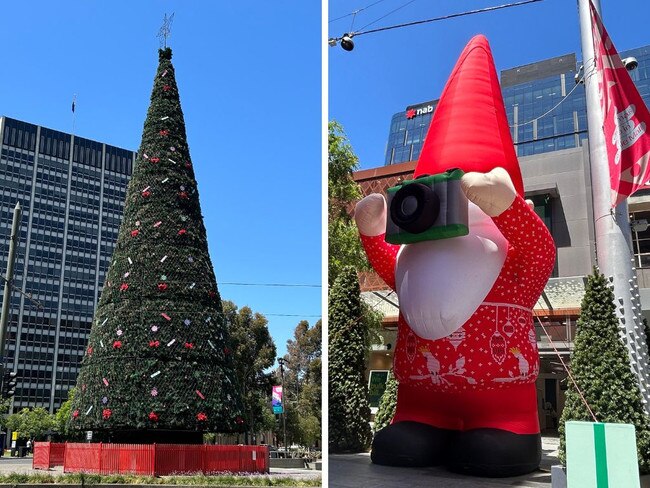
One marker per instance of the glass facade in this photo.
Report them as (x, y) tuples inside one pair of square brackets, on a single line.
[(532, 96), (72, 193), (407, 132)]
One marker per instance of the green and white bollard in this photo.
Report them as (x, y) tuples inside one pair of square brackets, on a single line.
[(601, 455)]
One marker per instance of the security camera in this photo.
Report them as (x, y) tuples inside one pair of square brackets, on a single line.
[(578, 78), (347, 43), (640, 225), (630, 63)]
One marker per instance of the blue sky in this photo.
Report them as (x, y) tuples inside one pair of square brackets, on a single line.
[(389, 70), (249, 76)]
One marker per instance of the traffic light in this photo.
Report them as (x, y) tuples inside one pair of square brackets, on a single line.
[(8, 384)]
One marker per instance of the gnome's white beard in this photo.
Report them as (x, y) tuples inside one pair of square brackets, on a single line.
[(441, 283)]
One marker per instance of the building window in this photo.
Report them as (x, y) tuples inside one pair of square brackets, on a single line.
[(641, 238), (543, 206)]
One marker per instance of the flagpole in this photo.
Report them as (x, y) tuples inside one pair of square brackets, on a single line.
[(613, 233), (74, 106)]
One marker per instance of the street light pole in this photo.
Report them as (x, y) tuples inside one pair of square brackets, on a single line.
[(281, 362), (612, 226), (8, 279)]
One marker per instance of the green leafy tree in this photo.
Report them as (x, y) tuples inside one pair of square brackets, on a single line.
[(349, 412), (63, 419), (159, 363), (254, 353), (344, 247), (5, 403), (31, 424), (387, 404), (303, 385), (600, 366)]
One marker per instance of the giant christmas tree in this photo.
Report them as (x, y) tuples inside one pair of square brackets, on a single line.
[(158, 366)]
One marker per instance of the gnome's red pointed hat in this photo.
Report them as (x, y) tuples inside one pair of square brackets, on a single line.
[(469, 129)]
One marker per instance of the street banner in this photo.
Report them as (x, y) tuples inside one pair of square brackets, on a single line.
[(625, 117), (276, 400)]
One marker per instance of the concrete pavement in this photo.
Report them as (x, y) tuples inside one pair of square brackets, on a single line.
[(356, 470)]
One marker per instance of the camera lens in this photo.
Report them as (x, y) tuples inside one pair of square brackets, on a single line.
[(409, 205), (415, 208)]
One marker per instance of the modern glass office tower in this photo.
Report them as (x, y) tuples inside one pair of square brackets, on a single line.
[(72, 193), (531, 94)]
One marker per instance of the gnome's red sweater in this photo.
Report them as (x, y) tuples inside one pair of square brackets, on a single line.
[(482, 375)]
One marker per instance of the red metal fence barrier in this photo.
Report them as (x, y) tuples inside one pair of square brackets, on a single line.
[(41, 459), (150, 459), (47, 455)]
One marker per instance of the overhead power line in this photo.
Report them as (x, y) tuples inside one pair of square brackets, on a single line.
[(355, 12), (295, 285), (348, 45)]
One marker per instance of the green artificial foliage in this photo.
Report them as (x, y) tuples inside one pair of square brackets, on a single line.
[(387, 404), (349, 413), (600, 366), (159, 355)]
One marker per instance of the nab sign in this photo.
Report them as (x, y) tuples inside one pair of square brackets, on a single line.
[(421, 109)]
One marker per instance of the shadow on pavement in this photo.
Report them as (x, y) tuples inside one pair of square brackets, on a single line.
[(356, 471)]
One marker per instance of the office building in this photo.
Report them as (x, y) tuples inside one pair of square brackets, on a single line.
[(72, 193), (531, 94), (547, 112)]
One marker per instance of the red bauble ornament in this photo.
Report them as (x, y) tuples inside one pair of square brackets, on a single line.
[(154, 343), (117, 344), (124, 286), (162, 286), (163, 132), (183, 195), (182, 232), (153, 416), (154, 160), (212, 294), (239, 420), (75, 414), (90, 351), (226, 350), (189, 345), (134, 232), (188, 165), (498, 346), (202, 417), (411, 346), (167, 87), (106, 413), (146, 194)]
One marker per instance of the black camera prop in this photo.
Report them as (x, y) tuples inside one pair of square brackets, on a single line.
[(427, 208)]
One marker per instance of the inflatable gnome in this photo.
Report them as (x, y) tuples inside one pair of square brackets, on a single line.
[(468, 258)]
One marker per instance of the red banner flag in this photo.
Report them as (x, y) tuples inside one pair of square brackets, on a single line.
[(625, 117)]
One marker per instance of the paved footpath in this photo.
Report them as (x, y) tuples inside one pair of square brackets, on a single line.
[(356, 470)]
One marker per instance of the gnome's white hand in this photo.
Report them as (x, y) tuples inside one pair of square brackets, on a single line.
[(492, 192), (370, 215)]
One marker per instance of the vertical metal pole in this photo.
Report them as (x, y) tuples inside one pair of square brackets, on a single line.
[(614, 252), (6, 298), (284, 406)]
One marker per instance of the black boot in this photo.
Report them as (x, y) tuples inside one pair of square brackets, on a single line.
[(410, 444), (495, 453)]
